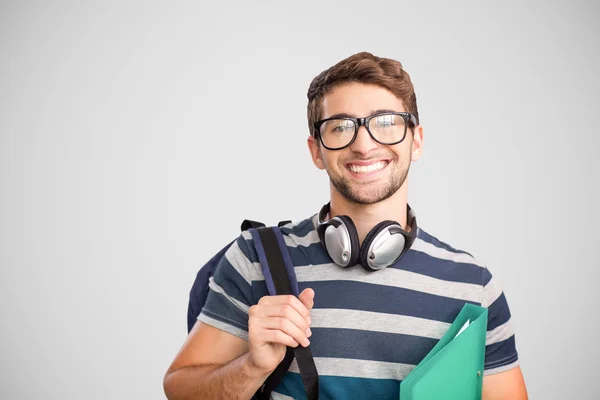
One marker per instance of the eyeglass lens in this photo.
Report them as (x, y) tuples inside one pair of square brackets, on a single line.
[(386, 128)]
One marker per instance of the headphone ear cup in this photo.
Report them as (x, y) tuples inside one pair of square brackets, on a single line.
[(342, 241), (381, 248)]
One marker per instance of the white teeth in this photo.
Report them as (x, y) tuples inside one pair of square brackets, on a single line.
[(363, 169)]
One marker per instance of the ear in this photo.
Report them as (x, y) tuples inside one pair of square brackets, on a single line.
[(417, 148), (315, 152)]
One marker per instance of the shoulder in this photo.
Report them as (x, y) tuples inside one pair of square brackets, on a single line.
[(450, 262), (427, 241), (300, 228), (297, 233), (441, 260)]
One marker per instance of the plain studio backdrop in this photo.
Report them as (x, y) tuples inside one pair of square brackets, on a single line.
[(135, 138)]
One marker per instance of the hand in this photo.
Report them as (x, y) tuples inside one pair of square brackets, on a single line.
[(274, 323)]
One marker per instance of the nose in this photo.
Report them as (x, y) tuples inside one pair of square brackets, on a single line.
[(364, 143)]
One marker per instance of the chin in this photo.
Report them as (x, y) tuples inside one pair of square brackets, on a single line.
[(367, 195)]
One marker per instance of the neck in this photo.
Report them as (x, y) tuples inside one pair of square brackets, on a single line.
[(366, 216)]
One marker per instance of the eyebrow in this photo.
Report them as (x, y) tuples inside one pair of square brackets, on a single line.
[(346, 115)]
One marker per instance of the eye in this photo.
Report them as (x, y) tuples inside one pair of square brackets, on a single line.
[(340, 126)]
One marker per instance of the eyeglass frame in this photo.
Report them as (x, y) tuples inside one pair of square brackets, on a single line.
[(364, 121)]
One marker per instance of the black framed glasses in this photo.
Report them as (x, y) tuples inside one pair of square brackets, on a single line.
[(387, 128)]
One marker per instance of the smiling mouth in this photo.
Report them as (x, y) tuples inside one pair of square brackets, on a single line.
[(365, 169)]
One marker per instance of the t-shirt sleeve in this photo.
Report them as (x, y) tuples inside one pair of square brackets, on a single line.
[(230, 291), (500, 352)]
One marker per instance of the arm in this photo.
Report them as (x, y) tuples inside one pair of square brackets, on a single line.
[(501, 353), (507, 385), (212, 364), (215, 364)]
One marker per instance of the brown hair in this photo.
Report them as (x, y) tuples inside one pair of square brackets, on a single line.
[(364, 68)]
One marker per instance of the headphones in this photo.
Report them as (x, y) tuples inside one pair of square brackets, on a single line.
[(385, 244)]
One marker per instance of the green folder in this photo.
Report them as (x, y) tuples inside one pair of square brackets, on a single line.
[(453, 369)]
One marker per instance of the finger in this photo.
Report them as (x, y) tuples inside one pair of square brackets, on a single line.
[(259, 336), (277, 336), (307, 298), (287, 327), (284, 311), (285, 300)]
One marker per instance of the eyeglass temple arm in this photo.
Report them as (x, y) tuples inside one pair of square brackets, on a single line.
[(413, 119)]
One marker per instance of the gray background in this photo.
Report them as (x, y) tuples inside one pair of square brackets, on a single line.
[(135, 137)]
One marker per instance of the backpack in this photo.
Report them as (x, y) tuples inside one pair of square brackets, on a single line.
[(280, 277)]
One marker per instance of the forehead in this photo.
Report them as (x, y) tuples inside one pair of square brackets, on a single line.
[(359, 99)]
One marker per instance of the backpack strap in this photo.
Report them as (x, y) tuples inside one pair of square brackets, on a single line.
[(247, 224), (280, 277)]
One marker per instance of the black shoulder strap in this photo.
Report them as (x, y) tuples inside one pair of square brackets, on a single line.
[(304, 358), (247, 224)]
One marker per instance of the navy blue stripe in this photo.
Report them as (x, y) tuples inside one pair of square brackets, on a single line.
[(259, 290), (247, 248), (424, 264), (363, 296), (217, 306), (337, 387), (375, 346), (486, 278), (233, 283), (501, 353), (306, 255), (498, 313)]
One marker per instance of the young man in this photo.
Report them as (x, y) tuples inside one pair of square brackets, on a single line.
[(373, 302)]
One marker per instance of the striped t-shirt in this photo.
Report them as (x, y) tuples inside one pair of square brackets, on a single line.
[(369, 329)]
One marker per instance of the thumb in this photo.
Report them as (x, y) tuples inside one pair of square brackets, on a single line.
[(307, 298)]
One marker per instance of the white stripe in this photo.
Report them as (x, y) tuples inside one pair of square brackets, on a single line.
[(358, 368), (500, 333), (216, 288), (246, 235), (248, 270), (234, 330), (391, 277), (491, 292), (441, 253), (377, 322), (315, 221), (294, 241)]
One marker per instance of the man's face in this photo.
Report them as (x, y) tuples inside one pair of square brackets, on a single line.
[(365, 172)]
